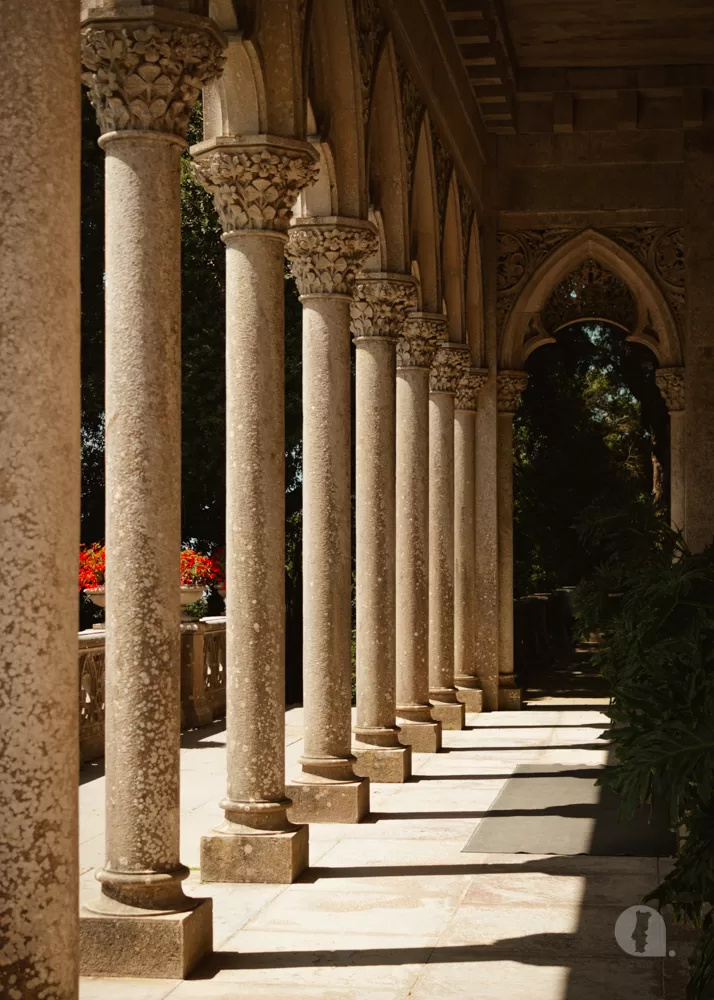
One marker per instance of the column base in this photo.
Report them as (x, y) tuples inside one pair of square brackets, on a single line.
[(422, 737), (384, 764), (147, 946), (277, 858), (471, 698), (451, 716), (329, 802), (510, 696)]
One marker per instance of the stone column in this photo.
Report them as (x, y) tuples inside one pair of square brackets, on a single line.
[(449, 364), (378, 312), (510, 386), (325, 255), (255, 182), (144, 75), (415, 353), (670, 382), (39, 520), (468, 686)]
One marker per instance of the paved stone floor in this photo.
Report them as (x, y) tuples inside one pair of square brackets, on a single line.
[(392, 908)]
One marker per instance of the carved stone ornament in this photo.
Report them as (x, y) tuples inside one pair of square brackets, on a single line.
[(370, 27), (326, 255), (412, 115), (420, 338), (443, 167), (450, 363), (670, 382), (381, 303), (472, 382), (255, 184), (510, 386), (147, 76), (591, 292)]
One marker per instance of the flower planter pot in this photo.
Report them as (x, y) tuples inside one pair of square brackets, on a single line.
[(97, 596), (187, 595), (222, 592)]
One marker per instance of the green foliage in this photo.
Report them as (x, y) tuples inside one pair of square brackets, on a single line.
[(589, 423), (653, 601)]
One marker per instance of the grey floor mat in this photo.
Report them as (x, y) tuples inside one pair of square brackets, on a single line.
[(559, 809)]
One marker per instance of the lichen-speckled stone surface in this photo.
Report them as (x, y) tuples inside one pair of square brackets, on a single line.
[(464, 547), (39, 497)]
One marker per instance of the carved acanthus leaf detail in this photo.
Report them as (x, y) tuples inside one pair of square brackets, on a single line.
[(420, 337), (510, 386), (472, 382), (148, 77), (256, 187), (381, 303), (670, 382), (467, 214), (325, 258), (449, 364)]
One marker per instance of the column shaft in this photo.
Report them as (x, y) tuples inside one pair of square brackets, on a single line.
[(464, 559), (327, 534), (441, 561), (39, 510), (412, 582), (143, 137), (255, 181), (677, 468), (143, 517), (378, 314), (486, 587), (505, 553)]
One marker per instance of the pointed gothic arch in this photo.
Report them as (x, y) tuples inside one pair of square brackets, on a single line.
[(425, 227), (453, 265), (652, 324)]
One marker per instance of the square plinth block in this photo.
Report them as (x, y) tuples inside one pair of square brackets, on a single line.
[(388, 764), (422, 737), (510, 699), (338, 802), (471, 699), (278, 858), (450, 716), (165, 946)]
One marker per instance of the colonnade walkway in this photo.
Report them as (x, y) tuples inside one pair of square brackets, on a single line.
[(392, 908)]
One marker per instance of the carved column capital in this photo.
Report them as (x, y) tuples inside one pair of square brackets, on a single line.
[(146, 75), (381, 303), (255, 180), (326, 254), (670, 382), (419, 339), (472, 381), (450, 362), (510, 386)]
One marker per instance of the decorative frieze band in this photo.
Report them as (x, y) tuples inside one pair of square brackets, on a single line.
[(255, 181), (326, 255), (148, 76), (472, 382), (420, 337), (381, 303), (511, 384), (448, 367), (670, 382)]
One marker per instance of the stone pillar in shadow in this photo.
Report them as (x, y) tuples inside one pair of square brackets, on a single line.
[(670, 382), (510, 386)]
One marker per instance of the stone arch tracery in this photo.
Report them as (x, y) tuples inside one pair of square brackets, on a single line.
[(453, 265), (534, 269), (425, 223)]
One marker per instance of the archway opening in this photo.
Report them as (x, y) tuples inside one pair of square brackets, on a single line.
[(591, 432)]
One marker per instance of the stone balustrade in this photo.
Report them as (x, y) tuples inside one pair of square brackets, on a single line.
[(203, 681)]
